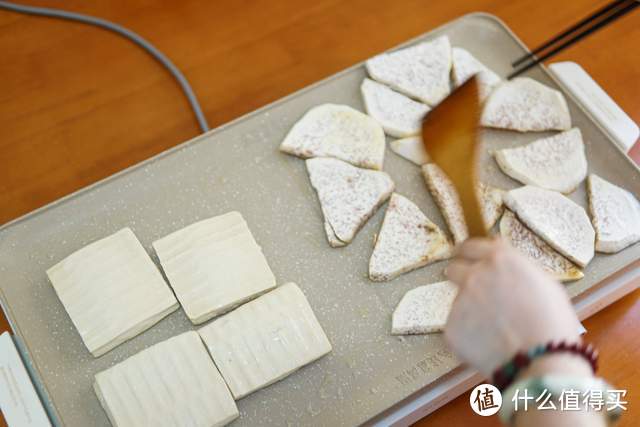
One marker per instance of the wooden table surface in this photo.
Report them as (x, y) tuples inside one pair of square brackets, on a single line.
[(78, 104)]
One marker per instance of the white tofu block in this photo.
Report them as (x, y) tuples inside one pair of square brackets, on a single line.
[(265, 340), (206, 230), (112, 291), (173, 383), (214, 265)]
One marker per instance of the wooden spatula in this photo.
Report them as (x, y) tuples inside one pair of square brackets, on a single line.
[(450, 135)]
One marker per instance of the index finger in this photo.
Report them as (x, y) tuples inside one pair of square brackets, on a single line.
[(476, 249)]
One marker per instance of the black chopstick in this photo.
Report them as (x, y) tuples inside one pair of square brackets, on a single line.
[(570, 30), (599, 19)]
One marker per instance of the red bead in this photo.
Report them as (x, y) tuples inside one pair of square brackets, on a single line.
[(521, 360), (500, 380)]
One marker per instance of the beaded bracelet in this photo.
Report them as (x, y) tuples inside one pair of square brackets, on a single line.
[(504, 375)]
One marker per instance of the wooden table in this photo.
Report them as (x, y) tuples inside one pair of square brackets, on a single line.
[(78, 104)]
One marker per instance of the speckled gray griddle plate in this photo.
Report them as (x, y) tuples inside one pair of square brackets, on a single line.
[(238, 167)]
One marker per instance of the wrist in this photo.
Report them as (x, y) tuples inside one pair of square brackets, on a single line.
[(557, 364), (557, 358)]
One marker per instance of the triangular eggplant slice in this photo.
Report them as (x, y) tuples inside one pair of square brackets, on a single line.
[(491, 203), (407, 240), (411, 148), (466, 65), (533, 247), (555, 163), (420, 71), (333, 240), (398, 115), (338, 131), (447, 199), (560, 222), (524, 105), (348, 196), (424, 309), (615, 214)]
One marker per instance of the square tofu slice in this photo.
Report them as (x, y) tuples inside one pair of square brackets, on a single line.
[(214, 265), (112, 291), (172, 383), (265, 340)]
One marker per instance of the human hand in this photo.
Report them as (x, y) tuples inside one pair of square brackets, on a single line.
[(505, 304)]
